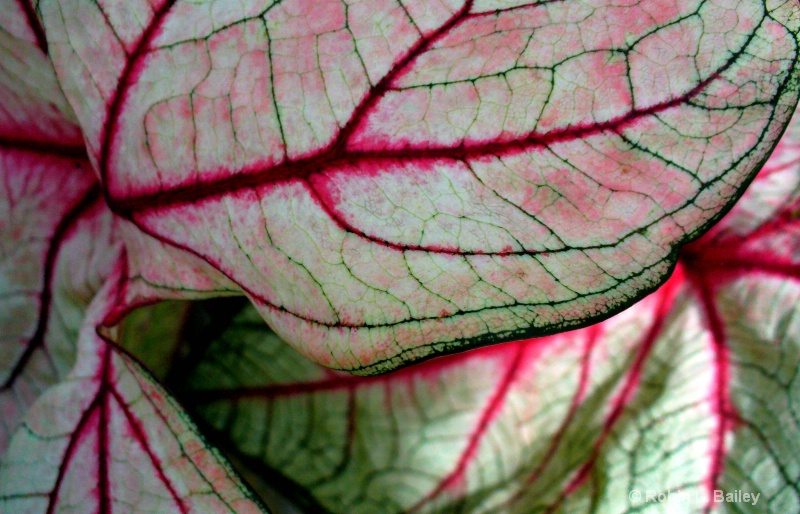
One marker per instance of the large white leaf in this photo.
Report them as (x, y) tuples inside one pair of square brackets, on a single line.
[(389, 180)]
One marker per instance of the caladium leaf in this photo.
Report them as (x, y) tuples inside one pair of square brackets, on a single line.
[(56, 235), (685, 399), (392, 180), (33, 111), (109, 438), (57, 248), (104, 436)]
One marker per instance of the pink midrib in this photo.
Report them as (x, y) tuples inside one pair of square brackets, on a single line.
[(629, 389), (99, 407), (338, 153), (62, 231), (35, 25)]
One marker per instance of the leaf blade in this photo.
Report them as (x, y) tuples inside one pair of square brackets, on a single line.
[(689, 394), (409, 213), (110, 437)]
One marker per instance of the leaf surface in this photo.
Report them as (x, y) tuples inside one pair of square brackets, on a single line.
[(395, 180), (691, 391), (58, 247), (109, 438), (34, 111), (57, 241), (83, 427)]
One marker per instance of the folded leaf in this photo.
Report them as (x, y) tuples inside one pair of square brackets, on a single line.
[(57, 241), (686, 397), (388, 181), (103, 436), (109, 438), (33, 111)]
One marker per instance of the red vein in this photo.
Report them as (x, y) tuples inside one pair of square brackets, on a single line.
[(630, 387), (781, 221), (60, 234), (720, 392), (746, 264), (325, 205), (100, 406), (304, 168), (140, 437), (103, 486), (51, 148), (337, 154), (729, 256), (144, 41), (143, 384), (493, 406), (708, 256), (35, 25), (125, 82), (593, 334), (277, 173), (69, 451), (379, 90)]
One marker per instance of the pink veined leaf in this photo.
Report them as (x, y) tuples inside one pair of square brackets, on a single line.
[(33, 110), (57, 247), (109, 438), (82, 426), (388, 181), (692, 392), (56, 235)]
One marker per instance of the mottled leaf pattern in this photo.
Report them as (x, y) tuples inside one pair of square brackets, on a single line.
[(392, 180), (387, 181), (691, 391)]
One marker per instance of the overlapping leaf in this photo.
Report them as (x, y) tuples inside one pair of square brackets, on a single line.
[(392, 180), (91, 429), (56, 240), (58, 247), (691, 391), (82, 426), (33, 111), (109, 438)]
